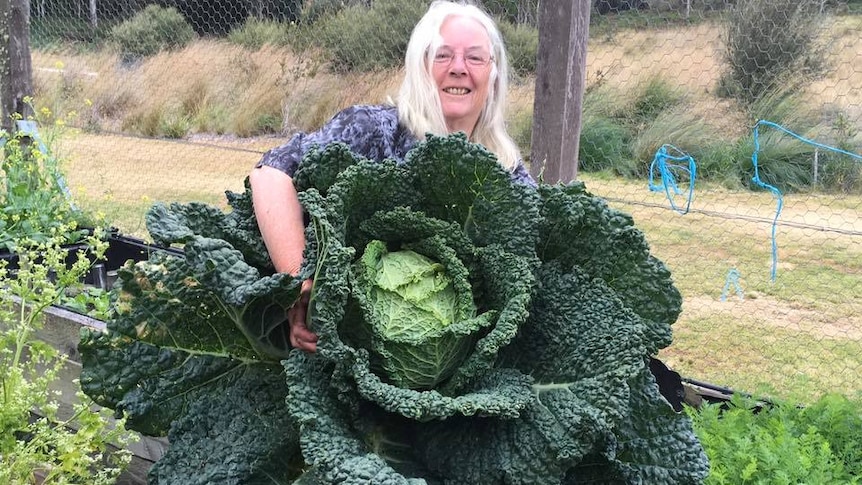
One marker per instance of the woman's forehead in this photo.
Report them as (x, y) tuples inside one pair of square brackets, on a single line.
[(463, 32)]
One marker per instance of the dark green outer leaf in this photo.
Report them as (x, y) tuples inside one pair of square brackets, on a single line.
[(462, 182), (580, 230), (161, 302), (328, 441), (178, 223), (320, 167), (242, 435)]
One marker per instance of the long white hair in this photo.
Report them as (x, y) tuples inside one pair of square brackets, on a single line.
[(419, 107)]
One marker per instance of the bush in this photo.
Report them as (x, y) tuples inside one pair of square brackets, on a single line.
[(151, 30), (656, 97), (767, 41), (522, 44), (255, 33), (366, 39), (838, 171), (604, 144)]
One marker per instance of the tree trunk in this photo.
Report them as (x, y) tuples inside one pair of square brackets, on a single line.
[(16, 73), (559, 92)]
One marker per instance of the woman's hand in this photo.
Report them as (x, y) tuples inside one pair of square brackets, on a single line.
[(300, 336)]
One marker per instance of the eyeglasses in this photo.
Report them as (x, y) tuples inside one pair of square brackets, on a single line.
[(444, 57)]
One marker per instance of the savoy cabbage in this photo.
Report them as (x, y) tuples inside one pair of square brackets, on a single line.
[(543, 308)]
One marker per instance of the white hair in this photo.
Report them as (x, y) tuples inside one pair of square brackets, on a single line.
[(419, 106)]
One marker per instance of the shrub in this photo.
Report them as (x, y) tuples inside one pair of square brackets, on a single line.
[(152, 30), (522, 44), (256, 33), (656, 97), (604, 144), (365, 39), (767, 40), (515, 11)]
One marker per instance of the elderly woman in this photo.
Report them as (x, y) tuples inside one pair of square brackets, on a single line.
[(455, 80)]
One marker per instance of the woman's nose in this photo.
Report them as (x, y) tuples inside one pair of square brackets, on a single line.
[(457, 65)]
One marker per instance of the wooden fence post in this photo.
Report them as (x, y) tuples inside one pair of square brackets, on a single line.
[(16, 72), (560, 78)]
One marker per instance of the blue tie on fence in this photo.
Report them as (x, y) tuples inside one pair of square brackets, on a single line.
[(666, 164), (777, 193), (732, 279)]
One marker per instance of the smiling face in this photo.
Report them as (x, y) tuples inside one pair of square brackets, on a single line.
[(462, 71)]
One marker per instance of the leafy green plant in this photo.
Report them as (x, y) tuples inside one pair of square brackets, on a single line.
[(53, 448), (91, 301), (782, 443), (546, 383), (34, 202), (150, 31)]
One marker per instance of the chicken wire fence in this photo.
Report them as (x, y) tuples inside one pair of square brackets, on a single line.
[(176, 101)]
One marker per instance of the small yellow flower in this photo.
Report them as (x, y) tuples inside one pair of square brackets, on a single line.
[(59, 65), (60, 122), (145, 199), (88, 102)]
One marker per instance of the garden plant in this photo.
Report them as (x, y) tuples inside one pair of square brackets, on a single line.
[(40, 441)]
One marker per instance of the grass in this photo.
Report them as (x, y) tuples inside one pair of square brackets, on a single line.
[(122, 177)]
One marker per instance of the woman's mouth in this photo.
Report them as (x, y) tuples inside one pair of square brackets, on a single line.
[(456, 91)]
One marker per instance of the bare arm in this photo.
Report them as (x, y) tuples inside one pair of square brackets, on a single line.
[(279, 217)]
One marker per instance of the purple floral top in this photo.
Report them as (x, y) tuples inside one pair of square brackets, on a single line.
[(371, 131)]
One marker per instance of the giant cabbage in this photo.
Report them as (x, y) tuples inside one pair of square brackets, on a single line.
[(509, 346)]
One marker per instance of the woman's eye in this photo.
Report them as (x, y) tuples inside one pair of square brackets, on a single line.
[(443, 57)]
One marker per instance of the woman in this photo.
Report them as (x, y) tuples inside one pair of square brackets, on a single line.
[(455, 80)]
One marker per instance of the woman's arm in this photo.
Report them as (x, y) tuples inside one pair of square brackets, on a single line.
[(279, 217)]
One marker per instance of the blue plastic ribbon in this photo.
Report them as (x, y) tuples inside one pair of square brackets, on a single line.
[(665, 164)]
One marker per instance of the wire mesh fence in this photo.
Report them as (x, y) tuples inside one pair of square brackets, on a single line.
[(176, 101)]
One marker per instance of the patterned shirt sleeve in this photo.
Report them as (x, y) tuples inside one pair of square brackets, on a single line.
[(521, 175), (370, 131)]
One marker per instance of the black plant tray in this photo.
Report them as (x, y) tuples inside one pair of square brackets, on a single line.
[(121, 249)]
